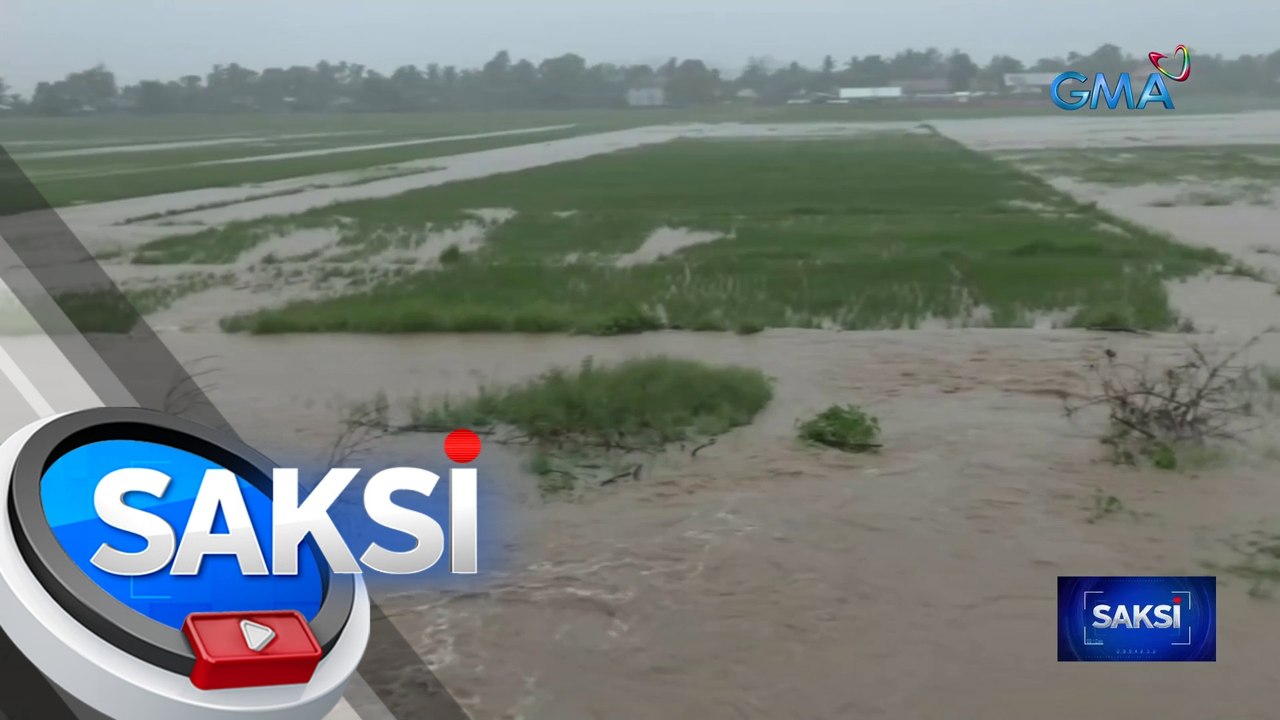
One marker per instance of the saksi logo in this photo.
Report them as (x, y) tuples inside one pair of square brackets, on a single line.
[(1139, 616), (292, 521), (288, 518), (1144, 618)]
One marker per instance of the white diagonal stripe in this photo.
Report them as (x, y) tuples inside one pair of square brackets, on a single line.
[(23, 385)]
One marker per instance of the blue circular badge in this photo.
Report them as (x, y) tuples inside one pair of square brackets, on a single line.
[(67, 493), (57, 528)]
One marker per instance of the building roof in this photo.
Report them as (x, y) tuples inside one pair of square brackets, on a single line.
[(922, 85), (870, 92), (1031, 79)]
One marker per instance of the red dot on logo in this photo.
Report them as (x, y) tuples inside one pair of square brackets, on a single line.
[(462, 446), (1177, 599)]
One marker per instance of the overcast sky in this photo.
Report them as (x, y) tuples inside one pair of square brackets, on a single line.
[(141, 39)]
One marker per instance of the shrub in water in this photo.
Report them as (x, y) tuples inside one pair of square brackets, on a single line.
[(844, 427)]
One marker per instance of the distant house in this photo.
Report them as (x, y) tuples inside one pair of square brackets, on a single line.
[(869, 93), (813, 98), (926, 86), (747, 94), (1033, 83), (646, 97), (121, 103), (4, 109)]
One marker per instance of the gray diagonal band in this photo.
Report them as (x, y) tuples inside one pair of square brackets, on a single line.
[(57, 280)]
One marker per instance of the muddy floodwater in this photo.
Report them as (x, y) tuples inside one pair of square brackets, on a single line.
[(766, 580), (763, 579)]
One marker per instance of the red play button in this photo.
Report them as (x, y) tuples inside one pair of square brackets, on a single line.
[(251, 649)]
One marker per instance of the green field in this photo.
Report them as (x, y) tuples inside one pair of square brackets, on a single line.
[(116, 129), (36, 134), (46, 133), (107, 175), (94, 131), (51, 150), (103, 176), (884, 231), (175, 170)]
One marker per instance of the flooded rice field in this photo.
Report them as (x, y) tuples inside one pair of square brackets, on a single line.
[(761, 578)]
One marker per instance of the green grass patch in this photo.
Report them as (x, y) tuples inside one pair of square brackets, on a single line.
[(118, 312), (593, 421), (882, 232), (358, 239), (153, 298), (640, 404), (843, 427), (214, 246), (98, 312)]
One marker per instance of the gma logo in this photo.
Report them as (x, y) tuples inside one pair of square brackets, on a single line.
[(1154, 90)]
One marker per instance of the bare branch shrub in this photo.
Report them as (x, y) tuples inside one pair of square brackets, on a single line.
[(363, 425), (186, 387), (1154, 412)]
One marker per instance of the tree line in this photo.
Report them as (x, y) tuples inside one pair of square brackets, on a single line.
[(568, 81)]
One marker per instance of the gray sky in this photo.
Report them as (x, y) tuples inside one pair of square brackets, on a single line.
[(140, 39)]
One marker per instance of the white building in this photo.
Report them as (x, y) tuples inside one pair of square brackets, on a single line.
[(646, 97), (868, 93)]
